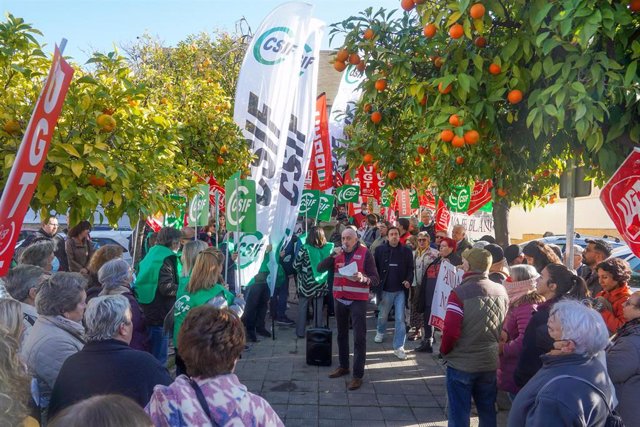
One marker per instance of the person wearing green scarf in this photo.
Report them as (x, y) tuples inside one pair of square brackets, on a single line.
[(156, 286), (312, 285), (203, 287)]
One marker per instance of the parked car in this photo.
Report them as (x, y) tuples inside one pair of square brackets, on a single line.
[(101, 237), (561, 240), (624, 252)]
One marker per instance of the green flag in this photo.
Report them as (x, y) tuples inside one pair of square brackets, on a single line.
[(347, 194), (413, 195), (176, 220), (325, 207), (385, 197), (459, 198), (241, 204), (309, 203), (199, 207)]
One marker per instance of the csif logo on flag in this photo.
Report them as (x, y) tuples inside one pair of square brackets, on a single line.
[(459, 202), (325, 205), (348, 193), (241, 205), (249, 248), (309, 203), (352, 75), (274, 45), (307, 59), (385, 197)]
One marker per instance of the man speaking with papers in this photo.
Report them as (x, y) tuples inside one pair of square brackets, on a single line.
[(354, 273)]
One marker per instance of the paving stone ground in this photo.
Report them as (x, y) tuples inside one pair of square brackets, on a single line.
[(394, 393)]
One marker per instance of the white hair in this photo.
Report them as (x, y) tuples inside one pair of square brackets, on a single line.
[(480, 244), (104, 315), (582, 325), (523, 272)]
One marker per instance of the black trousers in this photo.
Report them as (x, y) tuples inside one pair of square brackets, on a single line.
[(255, 311), (357, 310), (429, 331)]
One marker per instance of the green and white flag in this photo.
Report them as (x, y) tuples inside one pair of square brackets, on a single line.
[(176, 220), (459, 198), (385, 197), (413, 196), (241, 204), (309, 203), (325, 206), (348, 194), (199, 207)]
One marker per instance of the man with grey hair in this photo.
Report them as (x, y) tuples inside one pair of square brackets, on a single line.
[(22, 283), (572, 383), (106, 364), (39, 254)]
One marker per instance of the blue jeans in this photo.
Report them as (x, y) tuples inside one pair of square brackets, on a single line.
[(395, 299), (461, 386), (158, 343)]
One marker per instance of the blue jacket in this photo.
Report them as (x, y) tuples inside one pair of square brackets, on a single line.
[(564, 402)]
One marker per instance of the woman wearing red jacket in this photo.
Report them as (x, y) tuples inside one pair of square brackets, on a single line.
[(613, 275)]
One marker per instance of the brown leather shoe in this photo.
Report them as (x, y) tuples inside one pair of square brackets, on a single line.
[(355, 383), (339, 372)]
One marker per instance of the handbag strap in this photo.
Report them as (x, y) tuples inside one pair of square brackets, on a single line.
[(202, 400), (593, 386)]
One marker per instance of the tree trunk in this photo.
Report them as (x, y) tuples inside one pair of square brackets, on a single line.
[(501, 221), (137, 241)]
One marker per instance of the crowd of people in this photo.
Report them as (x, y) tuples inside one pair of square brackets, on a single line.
[(85, 336)]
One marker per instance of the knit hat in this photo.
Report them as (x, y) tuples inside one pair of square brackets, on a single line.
[(512, 252), (516, 289), (479, 259), (496, 252)]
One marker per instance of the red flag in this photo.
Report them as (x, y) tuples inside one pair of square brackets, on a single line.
[(155, 221), (480, 196), (621, 198), (216, 188), (443, 216), (319, 175), (338, 181), (403, 198), (31, 156), (368, 179)]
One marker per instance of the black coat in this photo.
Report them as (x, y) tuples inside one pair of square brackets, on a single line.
[(403, 256), (428, 285), (107, 367)]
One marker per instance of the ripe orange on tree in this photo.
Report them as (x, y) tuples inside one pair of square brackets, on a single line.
[(224, 149), (417, 160), (444, 90), (480, 41), (392, 174), (361, 66), (477, 11), (634, 5), (376, 117), (354, 59), (438, 62), (495, 69), (430, 30), (106, 122), (407, 5), (456, 31), (339, 66), (381, 85), (421, 150), (368, 34), (471, 137), (424, 100), (457, 141), (515, 96), (342, 55), (454, 120), (367, 108), (97, 181), (367, 158), (447, 135), (220, 160), (459, 160), (501, 192)]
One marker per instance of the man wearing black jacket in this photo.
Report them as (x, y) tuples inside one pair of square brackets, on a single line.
[(394, 262)]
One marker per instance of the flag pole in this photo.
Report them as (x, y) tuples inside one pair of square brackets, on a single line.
[(217, 201), (235, 245)]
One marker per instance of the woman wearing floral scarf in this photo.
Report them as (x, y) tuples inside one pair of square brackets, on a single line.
[(422, 257)]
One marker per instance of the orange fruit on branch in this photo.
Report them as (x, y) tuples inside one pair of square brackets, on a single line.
[(471, 137), (421, 150), (438, 62), (515, 96), (454, 120), (501, 192), (367, 108), (407, 5), (361, 66), (444, 90), (339, 66), (634, 5), (381, 85), (11, 126), (354, 59), (456, 31), (430, 30), (220, 160), (477, 11), (458, 141), (447, 135), (367, 158), (480, 41), (459, 160), (368, 34), (392, 174), (106, 122), (376, 117), (495, 69), (342, 55)]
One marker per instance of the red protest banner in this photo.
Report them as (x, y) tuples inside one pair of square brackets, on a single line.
[(443, 216), (31, 156), (403, 198), (368, 182), (319, 176), (216, 189), (428, 200), (621, 198), (480, 196)]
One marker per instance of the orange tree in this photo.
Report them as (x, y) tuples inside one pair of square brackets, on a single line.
[(123, 141), (509, 91)]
